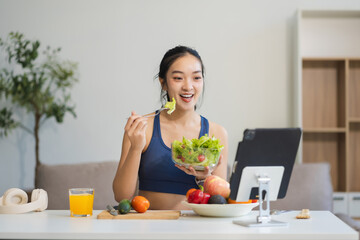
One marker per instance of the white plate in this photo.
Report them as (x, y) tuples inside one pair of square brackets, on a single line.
[(221, 210)]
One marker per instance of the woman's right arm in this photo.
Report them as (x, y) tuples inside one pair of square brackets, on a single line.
[(134, 140)]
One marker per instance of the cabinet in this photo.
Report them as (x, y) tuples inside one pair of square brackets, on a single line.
[(328, 70), (330, 117), (354, 204), (340, 202), (347, 203)]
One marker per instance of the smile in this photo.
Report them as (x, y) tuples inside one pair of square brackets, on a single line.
[(186, 97)]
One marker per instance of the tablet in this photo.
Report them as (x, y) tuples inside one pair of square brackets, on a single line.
[(266, 147)]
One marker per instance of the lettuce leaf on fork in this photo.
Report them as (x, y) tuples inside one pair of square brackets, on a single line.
[(170, 106)]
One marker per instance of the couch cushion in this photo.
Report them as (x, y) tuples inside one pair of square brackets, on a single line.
[(310, 187), (57, 179)]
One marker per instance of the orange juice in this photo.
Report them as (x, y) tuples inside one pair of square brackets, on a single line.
[(81, 202)]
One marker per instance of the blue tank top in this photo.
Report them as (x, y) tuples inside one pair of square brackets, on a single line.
[(157, 171)]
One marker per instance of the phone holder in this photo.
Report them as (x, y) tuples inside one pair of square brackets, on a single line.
[(268, 180)]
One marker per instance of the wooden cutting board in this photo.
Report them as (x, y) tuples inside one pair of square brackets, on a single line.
[(149, 214)]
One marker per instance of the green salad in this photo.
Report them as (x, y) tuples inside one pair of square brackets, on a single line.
[(198, 153), (170, 106)]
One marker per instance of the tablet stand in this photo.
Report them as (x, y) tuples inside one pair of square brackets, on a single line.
[(261, 177)]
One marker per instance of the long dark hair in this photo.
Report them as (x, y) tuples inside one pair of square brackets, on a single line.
[(168, 59)]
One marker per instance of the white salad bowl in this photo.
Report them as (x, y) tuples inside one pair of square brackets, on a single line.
[(221, 210), (191, 159)]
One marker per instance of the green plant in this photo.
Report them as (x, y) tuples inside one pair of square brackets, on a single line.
[(38, 83)]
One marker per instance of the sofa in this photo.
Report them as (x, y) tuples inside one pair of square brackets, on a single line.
[(57, 179), (309, 187)]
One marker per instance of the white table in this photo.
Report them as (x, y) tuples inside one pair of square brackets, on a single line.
[(57, 224)]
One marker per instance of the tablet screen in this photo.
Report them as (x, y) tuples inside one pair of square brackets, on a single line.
[(266, 147)]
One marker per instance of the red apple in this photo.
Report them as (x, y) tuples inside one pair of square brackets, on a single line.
[(215, 185)]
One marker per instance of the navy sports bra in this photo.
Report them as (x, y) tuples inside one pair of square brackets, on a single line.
[(157, 171)]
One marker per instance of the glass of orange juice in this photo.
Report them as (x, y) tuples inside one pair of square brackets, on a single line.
[(81, 202)]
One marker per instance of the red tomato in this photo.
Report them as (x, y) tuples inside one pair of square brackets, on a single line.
[(181, 157), (201, 157)]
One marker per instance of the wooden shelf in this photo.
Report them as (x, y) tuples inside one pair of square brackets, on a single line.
[(323, 88), (330, 148), (354, 120), (354, 157), (354, 89), (324, 130), (323, 58), (330, 14), (330, 58), (330, 91)]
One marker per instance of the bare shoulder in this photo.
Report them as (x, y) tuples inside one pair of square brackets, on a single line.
[(217, 130)]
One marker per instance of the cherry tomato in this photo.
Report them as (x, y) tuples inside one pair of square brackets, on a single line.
[(201, 157), (140, 204)]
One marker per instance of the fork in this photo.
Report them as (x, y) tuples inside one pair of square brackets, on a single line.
[(154, 114)]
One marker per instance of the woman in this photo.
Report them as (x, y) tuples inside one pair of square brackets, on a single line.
[(146, 149)]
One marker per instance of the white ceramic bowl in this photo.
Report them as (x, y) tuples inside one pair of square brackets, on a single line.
[(221, 210)]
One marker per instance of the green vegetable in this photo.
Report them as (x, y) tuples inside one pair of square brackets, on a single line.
[(198, 153), (124, 206), (170, 106)]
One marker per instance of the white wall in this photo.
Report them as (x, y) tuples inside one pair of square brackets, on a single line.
[(248, 50)]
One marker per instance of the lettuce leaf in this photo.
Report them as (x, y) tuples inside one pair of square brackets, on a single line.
[(188, 151), (170, 106)]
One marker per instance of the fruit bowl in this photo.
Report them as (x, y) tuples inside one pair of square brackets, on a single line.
[(221, 210), (197, 153)]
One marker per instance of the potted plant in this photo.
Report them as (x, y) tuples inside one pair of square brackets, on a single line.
[(38, 83)]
